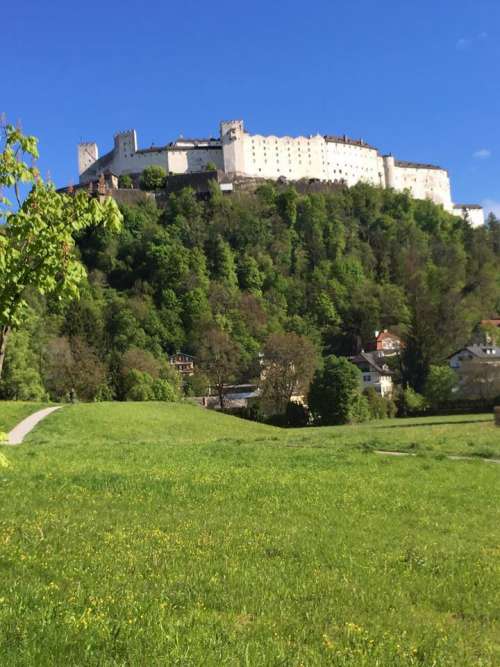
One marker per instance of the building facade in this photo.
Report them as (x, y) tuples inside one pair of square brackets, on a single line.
[(374, 372), (238, 153)]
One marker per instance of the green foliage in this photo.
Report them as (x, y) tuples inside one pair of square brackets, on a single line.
[(125, 181), (411, 402), (21, 378), (153, 178), (139, 386), (379, 406), (334, 396), (210, 166), (38, 238), (196, 384), (439, 385), (331, 267)]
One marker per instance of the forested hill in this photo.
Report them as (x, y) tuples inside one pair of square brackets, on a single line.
[(334, 267)]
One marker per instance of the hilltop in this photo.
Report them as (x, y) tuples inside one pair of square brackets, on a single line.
[(332, 267)]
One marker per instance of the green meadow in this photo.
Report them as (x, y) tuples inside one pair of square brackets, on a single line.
[(163, 534), (11, 413)]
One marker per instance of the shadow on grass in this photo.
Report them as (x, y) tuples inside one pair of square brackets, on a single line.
[(442, 423)]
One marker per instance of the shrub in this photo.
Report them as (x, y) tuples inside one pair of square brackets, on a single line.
[(153, 178), (125, 182), (376, 403), (164, 391), (411, 403), (360, 409), (140, 386)]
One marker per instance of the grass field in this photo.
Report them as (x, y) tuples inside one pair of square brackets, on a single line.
[(148, 534), (12, 412)]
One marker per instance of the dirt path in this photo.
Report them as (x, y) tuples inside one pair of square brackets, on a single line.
[(19, 432)]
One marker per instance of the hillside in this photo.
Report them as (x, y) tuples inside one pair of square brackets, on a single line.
[(332, 267), (188, 537)]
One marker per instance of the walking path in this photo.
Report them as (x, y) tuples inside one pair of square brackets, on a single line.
[(19, 432), (449, 456)]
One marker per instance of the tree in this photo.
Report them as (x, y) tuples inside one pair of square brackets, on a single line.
[(153, 178), (37, 240), (210, 166), (288, 366), (335, 391), (441, 380), (73, 366), (219, 358), (125, 181)]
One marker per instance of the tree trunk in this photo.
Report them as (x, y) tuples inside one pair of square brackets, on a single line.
[(4, 334)]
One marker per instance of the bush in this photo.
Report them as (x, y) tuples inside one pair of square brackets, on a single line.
[(140, 386), (164, 391), (411, 403), (125, 182), (360, 409), (153, 178), (379, 406)]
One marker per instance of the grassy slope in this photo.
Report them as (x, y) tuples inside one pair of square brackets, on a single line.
[(12, 412), (465, 435), (160, 534)]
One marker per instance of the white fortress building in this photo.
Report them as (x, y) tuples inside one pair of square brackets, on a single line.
[(238, 153)]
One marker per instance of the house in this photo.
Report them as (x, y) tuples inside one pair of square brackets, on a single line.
[(375, 372), (184, 363), (385, 342), (478, 371)]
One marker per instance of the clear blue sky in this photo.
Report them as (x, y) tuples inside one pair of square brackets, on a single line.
[(418, 79)]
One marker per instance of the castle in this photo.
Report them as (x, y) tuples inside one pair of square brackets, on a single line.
[(241, 154)]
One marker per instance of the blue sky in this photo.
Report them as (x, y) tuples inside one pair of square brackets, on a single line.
[(418, 79)]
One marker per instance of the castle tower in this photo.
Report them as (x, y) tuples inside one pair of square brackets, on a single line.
[(232, 138), (389, 171), (88, 153), (126, 143)]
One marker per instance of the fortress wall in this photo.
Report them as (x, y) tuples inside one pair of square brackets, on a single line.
[(291, 157), (474, 214), (353, 163), (137, 162), (424, 183), (183, 161)]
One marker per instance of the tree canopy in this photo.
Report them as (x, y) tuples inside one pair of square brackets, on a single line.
[(37, 239)]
